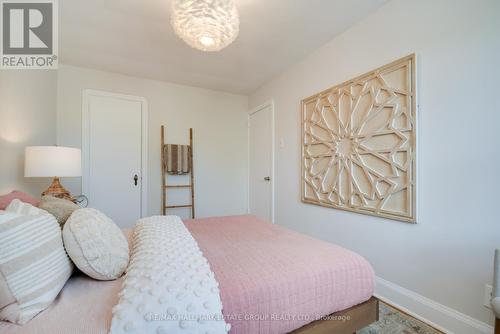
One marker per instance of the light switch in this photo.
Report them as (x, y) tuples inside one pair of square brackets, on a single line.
[(282, 143)]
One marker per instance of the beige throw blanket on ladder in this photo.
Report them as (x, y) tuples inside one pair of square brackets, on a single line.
[(177, 159)]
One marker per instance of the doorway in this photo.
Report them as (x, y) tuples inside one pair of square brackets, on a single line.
[(261, 162), (114, 151)]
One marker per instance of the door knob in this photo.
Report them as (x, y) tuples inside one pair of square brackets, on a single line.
[(135, 179), (267, 178)]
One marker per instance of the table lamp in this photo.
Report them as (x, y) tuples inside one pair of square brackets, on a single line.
[(53, 161)]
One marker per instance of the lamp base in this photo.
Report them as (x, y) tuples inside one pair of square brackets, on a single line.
[(57, 190)]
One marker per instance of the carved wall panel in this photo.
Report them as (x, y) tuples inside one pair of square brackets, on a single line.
[(359, 141)]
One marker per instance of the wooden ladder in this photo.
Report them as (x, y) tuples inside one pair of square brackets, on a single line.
[(164, 177)]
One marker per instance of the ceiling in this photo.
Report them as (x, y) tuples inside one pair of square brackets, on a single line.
[(134, 37)]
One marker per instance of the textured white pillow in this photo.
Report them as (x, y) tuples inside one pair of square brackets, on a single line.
[(58, 207), (95, 244), (33, 265)]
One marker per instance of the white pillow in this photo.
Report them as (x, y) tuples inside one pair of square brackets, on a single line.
[(33, 265), (23, 208), (95, 244)]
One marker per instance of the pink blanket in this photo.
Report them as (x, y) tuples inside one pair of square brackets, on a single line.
[(274, 280)]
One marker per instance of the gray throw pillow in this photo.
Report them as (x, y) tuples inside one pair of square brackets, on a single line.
[(58, 207)]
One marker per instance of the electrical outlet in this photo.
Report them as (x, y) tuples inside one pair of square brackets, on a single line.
[(488, 293)]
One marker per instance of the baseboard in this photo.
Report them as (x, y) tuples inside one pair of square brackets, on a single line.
[(437, 315)]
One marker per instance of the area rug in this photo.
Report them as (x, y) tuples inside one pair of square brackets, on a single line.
[(392, 321)]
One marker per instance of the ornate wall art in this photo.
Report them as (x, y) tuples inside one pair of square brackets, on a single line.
[(359, 141)]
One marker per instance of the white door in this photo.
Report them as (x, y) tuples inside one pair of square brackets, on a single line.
[(113, 155), (261, 163)]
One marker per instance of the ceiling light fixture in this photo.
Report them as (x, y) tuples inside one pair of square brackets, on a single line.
[(207, 25)]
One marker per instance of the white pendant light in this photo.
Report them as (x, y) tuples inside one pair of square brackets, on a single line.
[(207, 25)]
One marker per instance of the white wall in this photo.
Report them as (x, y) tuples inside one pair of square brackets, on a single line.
[(218, 119), (448, 255), (27, 117)]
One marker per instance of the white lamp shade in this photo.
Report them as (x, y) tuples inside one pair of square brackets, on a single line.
[(52, 161)]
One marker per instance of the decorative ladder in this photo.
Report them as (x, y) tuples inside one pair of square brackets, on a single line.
[(164, 177)]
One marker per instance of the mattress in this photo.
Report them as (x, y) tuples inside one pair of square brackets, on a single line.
[(272, 280)]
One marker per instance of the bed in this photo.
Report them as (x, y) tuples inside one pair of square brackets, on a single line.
[(272, 280)]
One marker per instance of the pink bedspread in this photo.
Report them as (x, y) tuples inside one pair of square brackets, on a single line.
[(274, 280)]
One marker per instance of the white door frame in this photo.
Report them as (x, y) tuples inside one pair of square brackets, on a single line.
[(273, 141), (87, 93)]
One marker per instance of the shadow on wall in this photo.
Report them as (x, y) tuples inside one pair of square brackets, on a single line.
[(12, 169), (27, 117)]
